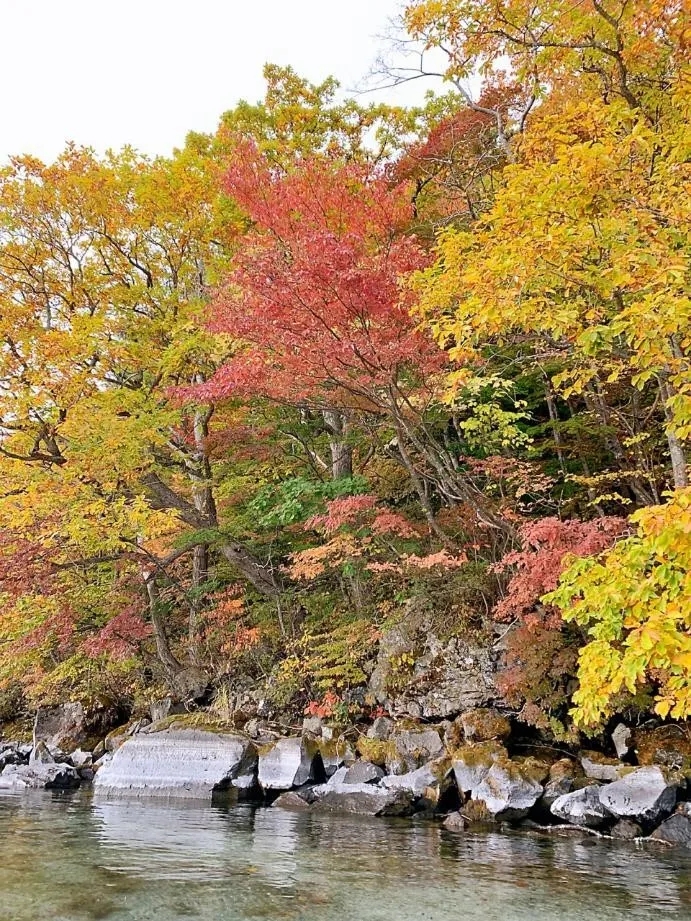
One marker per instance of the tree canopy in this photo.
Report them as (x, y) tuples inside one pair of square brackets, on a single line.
[(333, 361)]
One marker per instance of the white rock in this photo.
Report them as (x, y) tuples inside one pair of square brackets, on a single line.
[(188, 763), (582, 807), (289, 763), (645, 794)]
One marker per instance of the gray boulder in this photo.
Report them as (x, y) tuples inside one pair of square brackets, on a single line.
[(174, 762), (312, 725), (292, 801), (289, 763), (484, 724), (14, 753), (582, 807), (363, 799), (335, 753), (599, 767), (380, 729), (674, 830), (411, 748), (644, 794), (161, 709), (626, 830), (41, 754), (62, 726), (621, 739), (38, 776), (455, 822), (363, 772), (117, 736), (562, 778), (81, 759), (508, 790), (427, 783), (338, 777), (471, 764)]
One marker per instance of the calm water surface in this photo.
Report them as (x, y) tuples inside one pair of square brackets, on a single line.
[(68, 858)]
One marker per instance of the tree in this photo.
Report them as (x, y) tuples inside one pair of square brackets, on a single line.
[(634, 601), (584, 257), (103, 270), (316, 297), (581, 266)]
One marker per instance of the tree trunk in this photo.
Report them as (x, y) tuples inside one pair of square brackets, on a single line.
[(677, 455), (188, 683), (261, 575), (554, 419), (200, 573), (205, 504), (453, 484), (595, 403), (341, 451), (170, 664), (434, 525)]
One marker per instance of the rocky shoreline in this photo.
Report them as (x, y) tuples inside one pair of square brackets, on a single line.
[(463, 772)]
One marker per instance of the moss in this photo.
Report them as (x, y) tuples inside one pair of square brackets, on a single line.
[(564, 768), (118, 731), (376, 751), (669, 746), (479, 754), (201, 721), (265, 749), (476, 812), (441, 767), (333, 748), (599, 758), (17, 731), (531, 768), (484, 724)]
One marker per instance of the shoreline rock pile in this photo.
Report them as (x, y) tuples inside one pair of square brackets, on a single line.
[(462, 772)]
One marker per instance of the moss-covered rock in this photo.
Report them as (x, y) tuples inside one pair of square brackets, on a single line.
[(335, 753), (599, 767), (668, 746), (471, 763), (510, 789), (290, 763), (476, 813), (484, 724), (378, 751)]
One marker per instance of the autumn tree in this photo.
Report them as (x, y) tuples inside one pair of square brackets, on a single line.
[(580, 271), (103, 270)]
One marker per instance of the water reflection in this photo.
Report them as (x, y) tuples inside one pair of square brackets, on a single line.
[(66, 859)]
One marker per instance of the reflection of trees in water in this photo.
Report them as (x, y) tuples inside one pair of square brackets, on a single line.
[(63, 858)]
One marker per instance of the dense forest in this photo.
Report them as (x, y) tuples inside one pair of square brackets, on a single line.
[(341, 361)]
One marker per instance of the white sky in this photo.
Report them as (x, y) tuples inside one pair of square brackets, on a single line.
[(110, 72)]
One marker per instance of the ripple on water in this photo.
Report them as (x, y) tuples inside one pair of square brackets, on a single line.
[(65, 858)]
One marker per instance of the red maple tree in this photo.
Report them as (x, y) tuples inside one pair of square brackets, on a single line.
[(315, 294)]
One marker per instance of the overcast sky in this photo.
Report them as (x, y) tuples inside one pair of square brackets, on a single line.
[(110, 72)]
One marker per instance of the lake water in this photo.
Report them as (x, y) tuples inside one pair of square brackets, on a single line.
[(70, 858)]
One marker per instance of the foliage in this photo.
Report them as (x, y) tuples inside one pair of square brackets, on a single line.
[(295, 499), (538, 565), (634, 602), (336, 361), (314, 293)]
